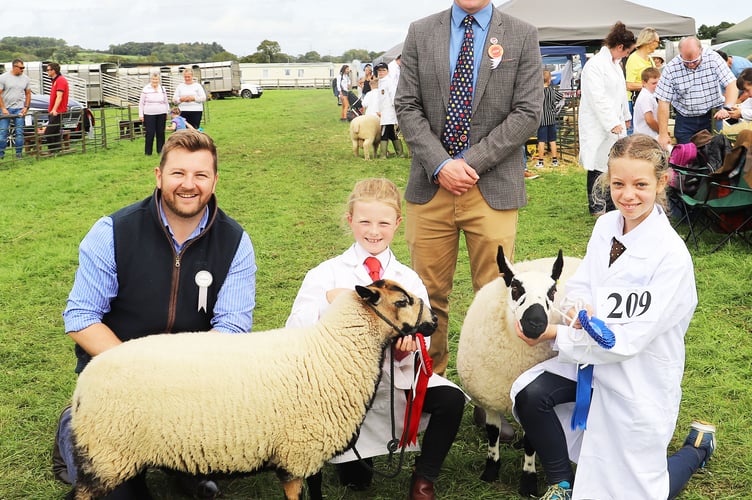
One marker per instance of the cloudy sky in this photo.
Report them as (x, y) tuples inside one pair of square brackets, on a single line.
[(327, 27)]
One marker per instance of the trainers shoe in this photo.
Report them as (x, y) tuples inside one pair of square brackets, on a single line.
[(555, 162), (530, 175), (539, 164), (561, 491), (702, 436)]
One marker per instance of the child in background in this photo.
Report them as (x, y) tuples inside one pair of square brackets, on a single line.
[(370, 100), (178, 122), (387, 113), (645, 114), (547, 129), (634, 402), (374, 212)]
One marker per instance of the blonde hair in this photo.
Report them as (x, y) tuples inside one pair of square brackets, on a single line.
[(546, 76), (636, 147), (376, 189), (646, 36)]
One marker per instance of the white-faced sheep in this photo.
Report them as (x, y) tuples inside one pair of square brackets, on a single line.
[(286, 399), (490, 356), (365, 132)]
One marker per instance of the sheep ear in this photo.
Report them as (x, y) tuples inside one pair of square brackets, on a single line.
[(504, 267), (368, 294), (558, 266)]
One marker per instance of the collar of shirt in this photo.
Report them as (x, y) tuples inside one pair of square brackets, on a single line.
[(480, 32), (384, 257), (201, 226)]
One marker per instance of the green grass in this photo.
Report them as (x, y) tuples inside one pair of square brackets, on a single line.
[(285, 172)]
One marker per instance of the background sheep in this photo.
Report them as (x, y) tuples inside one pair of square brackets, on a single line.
[(289, 399), (365, 132), (490, 356)]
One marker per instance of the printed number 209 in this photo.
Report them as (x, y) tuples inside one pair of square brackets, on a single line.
[(631, 306)]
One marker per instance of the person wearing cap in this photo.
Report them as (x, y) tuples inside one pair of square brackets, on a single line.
[(387, 114)]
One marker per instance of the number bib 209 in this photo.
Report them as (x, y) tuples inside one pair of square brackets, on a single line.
[(624, 305)]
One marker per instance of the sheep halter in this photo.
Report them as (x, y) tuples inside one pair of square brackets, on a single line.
[(424, 370)]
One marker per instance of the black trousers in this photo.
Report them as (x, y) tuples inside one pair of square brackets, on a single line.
[(192, 117), (52, 136), (154, 126), (535, 410), (446, 405)]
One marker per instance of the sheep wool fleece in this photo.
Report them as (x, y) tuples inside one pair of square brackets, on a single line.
[(214, 402)]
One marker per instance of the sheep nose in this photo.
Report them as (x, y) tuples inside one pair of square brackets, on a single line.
[(534, 321)]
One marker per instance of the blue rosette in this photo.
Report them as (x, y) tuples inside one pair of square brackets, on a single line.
[(597, 330)]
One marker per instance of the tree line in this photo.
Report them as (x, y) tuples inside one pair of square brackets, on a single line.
[(55, 49)]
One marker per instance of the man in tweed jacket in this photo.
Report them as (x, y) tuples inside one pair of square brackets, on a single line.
[(480, 190)]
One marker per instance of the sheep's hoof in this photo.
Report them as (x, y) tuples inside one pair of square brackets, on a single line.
[(491, 472), (529, 484)]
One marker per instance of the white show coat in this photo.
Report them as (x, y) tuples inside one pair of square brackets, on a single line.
[(637, 383), (346, 271), (386, 91), (603, 105)]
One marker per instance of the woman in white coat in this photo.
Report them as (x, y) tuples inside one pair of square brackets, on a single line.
[(374, 214), (637, 277), (604, 109)]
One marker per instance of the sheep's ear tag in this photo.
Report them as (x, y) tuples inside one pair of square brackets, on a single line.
[(368, 294)]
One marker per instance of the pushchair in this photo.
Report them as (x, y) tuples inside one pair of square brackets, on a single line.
[(356, 106)]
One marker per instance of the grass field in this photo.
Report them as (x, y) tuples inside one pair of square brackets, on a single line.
[(285, 172)]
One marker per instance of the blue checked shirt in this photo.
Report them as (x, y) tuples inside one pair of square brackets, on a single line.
[(96, 282), (694, 92)]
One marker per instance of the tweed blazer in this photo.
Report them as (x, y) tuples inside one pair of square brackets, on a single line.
[(506, 106)]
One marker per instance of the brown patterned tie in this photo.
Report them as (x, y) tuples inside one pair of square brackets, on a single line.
[(616, 250)]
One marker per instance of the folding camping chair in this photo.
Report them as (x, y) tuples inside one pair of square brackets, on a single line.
[(723, 202), (356, 106)]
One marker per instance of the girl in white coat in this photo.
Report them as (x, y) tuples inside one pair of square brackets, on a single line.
[(604, 109), (374, 213), (633, 253)]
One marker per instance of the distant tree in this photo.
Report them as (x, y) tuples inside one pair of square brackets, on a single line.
[(709, 32), (65, 55), (256, 57), (269, 48), (311, 56), (360, 54), (224, 56)]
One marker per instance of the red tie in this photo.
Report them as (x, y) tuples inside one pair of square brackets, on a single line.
[(374, 268)]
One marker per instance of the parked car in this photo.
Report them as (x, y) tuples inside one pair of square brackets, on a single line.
[(250, 91), (71, 120)]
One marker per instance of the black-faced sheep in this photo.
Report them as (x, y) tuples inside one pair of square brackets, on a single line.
[(490, 356), (286, 399), (365, 132)]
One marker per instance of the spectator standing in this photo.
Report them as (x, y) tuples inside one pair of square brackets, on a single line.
[(343, 85), (58, 105), (190, 98), (153, 106), (128, 285), (547, 130), (646, 107), (470, 182), (15, 99), (364, 83), (647, 41), (387, 113), (690, 83), (394, 67), (604, 112)]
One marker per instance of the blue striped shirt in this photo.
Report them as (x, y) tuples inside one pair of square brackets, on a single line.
[(96, 284), (694, 92)]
